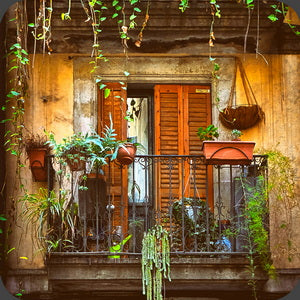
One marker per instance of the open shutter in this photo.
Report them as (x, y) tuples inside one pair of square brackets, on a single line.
[(115, 105), (179, 111)]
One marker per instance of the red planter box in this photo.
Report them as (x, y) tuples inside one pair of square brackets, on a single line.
[(228, 152)]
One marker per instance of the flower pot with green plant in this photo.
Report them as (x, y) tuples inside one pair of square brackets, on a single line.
[(236, 134), (127, 150), (224, 152), (37, 151), (74, 150)]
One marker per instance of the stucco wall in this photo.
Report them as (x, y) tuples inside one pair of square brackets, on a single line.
[(63, 98), (49, 107)]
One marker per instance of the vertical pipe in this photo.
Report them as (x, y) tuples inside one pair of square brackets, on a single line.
[(133, 207), (147, 198), (207, 211), (97, 210), (232, 206), (108, 208)]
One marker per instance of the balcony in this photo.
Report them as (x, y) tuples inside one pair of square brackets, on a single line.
[(195, 202)]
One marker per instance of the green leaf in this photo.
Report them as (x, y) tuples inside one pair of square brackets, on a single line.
[(15, 46), (137, 9), (126, 73), (132, 17), (114, 15), (31, 25), (2, 218), (102, 86), (272, 17), (118, 7), (10, 250), (24, 52), (115, 2), (12, 68), (132, 2), (106, 93), (13, 94), (216, 67)]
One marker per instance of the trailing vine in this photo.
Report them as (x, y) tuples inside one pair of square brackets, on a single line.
[(155, 262), (18, 69), (282, 9)]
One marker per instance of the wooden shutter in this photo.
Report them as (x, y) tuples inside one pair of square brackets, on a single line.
[(115, 105), (179, 111)]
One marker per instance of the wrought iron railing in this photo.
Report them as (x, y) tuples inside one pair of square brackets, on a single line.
[(200, 205)]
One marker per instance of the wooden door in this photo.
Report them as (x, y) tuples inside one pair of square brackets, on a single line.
[(179, 111)]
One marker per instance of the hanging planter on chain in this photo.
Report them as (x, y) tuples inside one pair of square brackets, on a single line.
[(241, 116)]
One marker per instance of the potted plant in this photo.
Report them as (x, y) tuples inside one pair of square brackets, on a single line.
[(126, 153), (127, 150), (224, 152), (37, 150), (74, 150), (53, 215), (236, 134), (208, 133)]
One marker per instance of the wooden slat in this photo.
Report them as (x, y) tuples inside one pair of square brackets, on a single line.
[(115, 105), (179, 111)]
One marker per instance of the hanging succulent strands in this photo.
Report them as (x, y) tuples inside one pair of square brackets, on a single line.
[(155, 262)]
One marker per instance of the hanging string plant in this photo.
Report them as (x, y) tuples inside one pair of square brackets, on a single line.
[(155, 262)]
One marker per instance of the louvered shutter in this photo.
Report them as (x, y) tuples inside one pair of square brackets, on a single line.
[(179, 111), (115, 105)]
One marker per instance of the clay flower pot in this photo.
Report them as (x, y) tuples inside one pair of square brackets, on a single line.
[(228, 152), (38, 166), (126, 154)]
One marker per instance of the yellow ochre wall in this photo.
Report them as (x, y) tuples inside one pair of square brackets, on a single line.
[(51, 107)]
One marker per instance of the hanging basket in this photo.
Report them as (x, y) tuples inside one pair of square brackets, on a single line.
[(241, 116)]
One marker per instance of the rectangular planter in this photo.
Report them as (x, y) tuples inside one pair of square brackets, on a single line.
[(228, 152)]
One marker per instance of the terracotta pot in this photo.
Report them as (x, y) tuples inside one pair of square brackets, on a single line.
[(38, 166), (228, 152), (126, 154)]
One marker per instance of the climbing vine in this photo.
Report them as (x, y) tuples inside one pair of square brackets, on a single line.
[(282, 188), (18, 70), (254, 230)]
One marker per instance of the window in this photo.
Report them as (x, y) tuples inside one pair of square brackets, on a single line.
[(165, 124)]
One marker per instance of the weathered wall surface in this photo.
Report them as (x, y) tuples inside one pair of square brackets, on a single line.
[(277, 89), (49, 107), (63, 98)]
